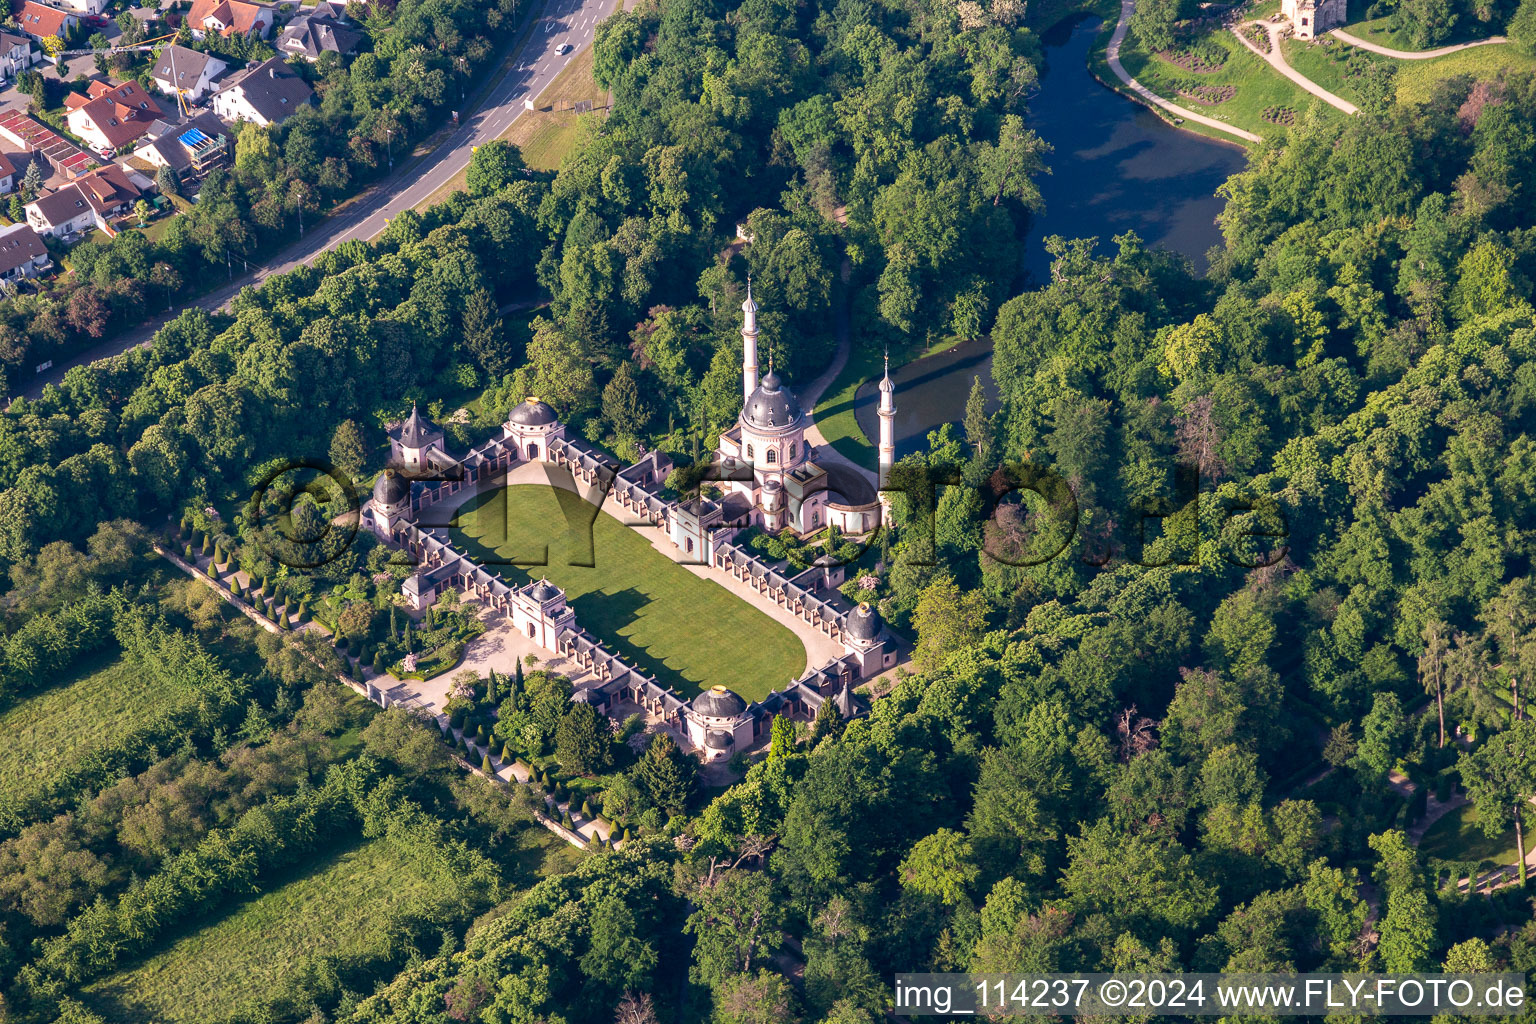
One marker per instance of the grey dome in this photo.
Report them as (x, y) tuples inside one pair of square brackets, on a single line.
[(718, 702), (391, 488), (771, 405), (544, 591), (532, 413), (718, 739), (863, 623)]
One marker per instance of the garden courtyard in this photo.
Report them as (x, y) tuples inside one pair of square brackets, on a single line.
[(688, 630)]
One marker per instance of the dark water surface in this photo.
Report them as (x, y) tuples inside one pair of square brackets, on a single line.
[(1116, 167)]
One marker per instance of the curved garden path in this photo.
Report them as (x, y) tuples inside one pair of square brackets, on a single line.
[(1387, 51), (1276, 59), (1112, 54)]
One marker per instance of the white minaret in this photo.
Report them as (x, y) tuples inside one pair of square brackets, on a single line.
[(748, 345), (887, 423)]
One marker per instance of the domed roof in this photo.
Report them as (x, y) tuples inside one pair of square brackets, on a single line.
[(771, 405), (718, 739), (544, 591), (863, 623), (718, 702), (391, 488), (532, 413)]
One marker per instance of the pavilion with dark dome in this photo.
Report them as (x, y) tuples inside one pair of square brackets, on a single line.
[(770, 474)]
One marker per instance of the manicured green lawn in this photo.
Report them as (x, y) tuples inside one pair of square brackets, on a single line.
[(1259, 86), (86, 710), (834, 413), (338, 907), (1417, 79), (1458, 836), (690, 632)]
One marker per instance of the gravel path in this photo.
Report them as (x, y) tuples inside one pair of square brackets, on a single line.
[(1112, 54), (1387, 51)]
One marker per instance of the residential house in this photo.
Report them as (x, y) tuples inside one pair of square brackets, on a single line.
[(42, 22), (189, 72), (229, 18), (188, 148), (265, 93), (22, 253), (84, 6), (15, 54), (110, 116), (94, 200), (320, 29), (7, 175)]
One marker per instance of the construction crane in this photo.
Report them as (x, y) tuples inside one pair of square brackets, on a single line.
[(135, 48)]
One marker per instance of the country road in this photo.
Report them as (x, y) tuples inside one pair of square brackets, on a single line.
[(529, 68)]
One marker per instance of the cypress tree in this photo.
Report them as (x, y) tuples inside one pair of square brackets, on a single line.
[(490, 688), (408, 638), (394, 630), (517, 681)]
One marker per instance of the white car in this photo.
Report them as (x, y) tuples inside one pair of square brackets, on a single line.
[(563, 49)]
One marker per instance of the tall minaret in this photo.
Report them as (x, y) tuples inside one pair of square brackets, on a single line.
[(887, 423), (748, 345)]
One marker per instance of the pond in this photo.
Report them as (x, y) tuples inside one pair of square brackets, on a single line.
[(1116, 167)]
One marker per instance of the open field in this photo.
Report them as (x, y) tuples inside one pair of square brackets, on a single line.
[(1417, 79), (89, 709), (691, 632), (337, 908), (1458, 836), (1323, 65), (1259, 86)]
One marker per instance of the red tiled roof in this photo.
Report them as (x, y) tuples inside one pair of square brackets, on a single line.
[(120, 112), (40, 21)]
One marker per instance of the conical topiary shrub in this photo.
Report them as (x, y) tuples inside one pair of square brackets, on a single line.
[(565, 819), (506, 751), (266, 584), (378, 661), (586, 809), (187, 552), (625, 837), (485, 765), (207, 544), (282, 620)]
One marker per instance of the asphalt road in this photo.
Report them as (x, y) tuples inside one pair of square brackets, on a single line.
[(530, 67)]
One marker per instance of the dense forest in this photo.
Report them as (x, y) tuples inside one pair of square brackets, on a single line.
[(1233, 586)]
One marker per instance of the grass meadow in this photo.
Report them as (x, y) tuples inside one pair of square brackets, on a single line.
[(336, 907), (93, 706)]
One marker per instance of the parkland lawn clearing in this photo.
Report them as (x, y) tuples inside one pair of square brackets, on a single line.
[(691, 632), (337, 908), (90, 708)]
